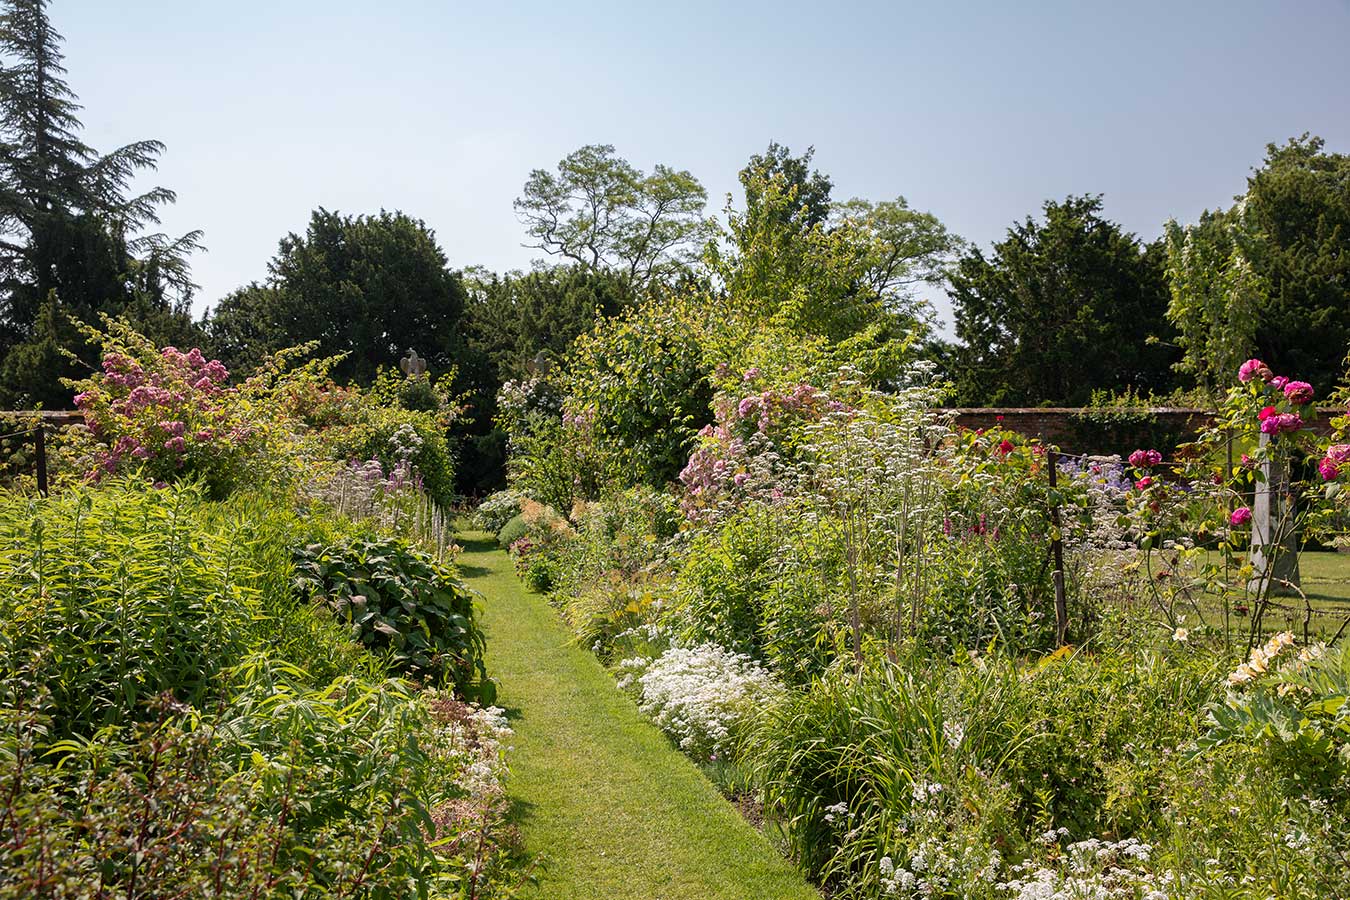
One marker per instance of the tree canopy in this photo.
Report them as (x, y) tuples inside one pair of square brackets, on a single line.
[(1059, 308), (600, 212), (73, 239), (371, 287)]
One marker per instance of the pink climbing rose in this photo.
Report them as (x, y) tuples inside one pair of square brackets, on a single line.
[(1241, 516), (1329, 468), (1144, 459), (1299, 392), (1253, 368)]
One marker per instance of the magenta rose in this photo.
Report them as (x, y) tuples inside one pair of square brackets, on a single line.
[(1329, 468), (1299, 392), (1339, 452), (1241, 516)]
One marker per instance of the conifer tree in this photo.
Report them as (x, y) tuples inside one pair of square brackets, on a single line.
[(71, 231)]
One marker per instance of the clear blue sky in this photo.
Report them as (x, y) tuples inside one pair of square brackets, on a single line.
[(977, 112)]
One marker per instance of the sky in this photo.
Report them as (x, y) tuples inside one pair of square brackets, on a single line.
[(976, 112)]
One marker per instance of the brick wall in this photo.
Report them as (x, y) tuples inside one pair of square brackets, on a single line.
[(1064, 426)]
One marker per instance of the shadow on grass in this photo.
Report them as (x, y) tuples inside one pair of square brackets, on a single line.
[(477, 545), (473, 571)]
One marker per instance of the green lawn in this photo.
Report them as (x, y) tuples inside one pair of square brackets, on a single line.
[(612, 809)]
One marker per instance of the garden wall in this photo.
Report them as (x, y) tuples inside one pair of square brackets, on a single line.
[(1096, 430)]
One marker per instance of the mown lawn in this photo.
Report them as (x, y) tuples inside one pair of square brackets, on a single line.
[(612, 809)]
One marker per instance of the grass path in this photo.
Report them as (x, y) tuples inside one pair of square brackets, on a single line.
[(613, 809)]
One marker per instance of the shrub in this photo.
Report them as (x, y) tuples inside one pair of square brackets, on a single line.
[(153, 591), (398, 600), (496, 510), (514, 529), (174, 415), (539, 574)]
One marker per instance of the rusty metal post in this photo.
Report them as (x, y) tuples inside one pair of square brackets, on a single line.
[(1057, 549), (40, 440)]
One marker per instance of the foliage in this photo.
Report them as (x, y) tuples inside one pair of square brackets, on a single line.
[(1258, 278), (496, 510), (798, 273), (368, 288), (74, 243), (514, 529), (1058, 309), (603, 214), (176, 717), (400, 602), (638, 386)]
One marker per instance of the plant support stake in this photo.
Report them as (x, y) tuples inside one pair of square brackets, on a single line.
[(40, 439), (1057, 549)]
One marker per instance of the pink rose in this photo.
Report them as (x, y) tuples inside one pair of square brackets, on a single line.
[(1299, 392), (1144, 459), (1253, 368), (1277, 382), (1265, 413), (1143, 483), (1329, 468), (1288, 422), (1241, 516), (1339, 452)]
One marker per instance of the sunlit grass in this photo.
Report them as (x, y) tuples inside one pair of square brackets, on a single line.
[(602, 797)]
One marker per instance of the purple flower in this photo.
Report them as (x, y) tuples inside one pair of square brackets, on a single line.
[(1241, 516), (1287, 422), (176, 444)]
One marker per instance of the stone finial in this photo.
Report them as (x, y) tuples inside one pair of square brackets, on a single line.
[(412, 364)]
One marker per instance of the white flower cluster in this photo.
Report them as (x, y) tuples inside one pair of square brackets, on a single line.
[(479, 741), (405, 442), (700, 695), (496, 510), (1096, 870)]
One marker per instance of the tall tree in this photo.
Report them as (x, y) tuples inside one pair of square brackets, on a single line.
[(1271, 275), (600, 212), (371, 287), (70, 232), (806, 189), (823, 269), (1061, 307)]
